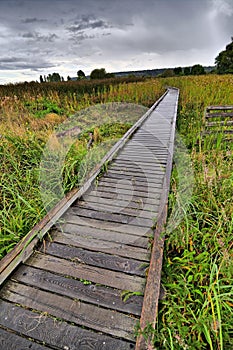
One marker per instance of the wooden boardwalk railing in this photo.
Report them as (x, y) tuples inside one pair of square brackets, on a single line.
[(95, 277), (218, 121)]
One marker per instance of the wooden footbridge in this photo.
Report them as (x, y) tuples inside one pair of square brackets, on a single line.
[(96, 274)]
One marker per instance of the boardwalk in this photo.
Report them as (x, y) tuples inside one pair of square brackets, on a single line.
[(84, 288)]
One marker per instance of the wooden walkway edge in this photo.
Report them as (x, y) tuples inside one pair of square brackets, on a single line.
[(94, 278)]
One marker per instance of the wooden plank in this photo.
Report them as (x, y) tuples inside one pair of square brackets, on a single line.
[(225, 123), (108, 216), (141, 150), (210, 108), (113, 226), (56, 333), (128, 191), (116, 209), (116, 248), (12, 341), (214, 132), (135, 182), (150, 168), (135, 179), (74, 269), (104, 235), (95, 258), (156, 168), (123, 197), (72, 310), (140, 159), (156, 177), (114, 183), (69, 287), (121, 202)]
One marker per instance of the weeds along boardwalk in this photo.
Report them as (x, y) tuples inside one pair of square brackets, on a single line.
[(97, 274)]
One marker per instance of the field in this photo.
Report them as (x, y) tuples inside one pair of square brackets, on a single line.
[(196, 311)]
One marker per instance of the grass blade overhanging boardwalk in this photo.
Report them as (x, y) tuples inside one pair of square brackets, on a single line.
[(84, 288)]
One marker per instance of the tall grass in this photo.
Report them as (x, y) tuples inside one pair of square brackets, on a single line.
[(197, 311), (28, 114)]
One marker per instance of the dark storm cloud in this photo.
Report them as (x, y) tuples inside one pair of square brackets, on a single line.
[(114, 34)]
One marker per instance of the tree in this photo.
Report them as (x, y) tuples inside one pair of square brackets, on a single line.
[(178, 70), (197, 69), (54, 77), (109, 75), (224, 60), (187, 70), (167, 73), (81, 75), (41, 79), (68, 78), (98, 73)]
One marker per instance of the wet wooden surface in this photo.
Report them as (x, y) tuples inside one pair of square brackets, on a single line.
[(84, 286)]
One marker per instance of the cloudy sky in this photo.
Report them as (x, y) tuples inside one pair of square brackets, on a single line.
[(46, 36)]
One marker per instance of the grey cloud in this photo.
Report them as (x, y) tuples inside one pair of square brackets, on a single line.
[(18, 63), (33, 20), (88, 23), (39, 37)]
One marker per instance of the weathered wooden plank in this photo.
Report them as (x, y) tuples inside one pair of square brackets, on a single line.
[(220, 123), (150, 144), (91, 293), (74, 269), (151, 174), (107, 216), (115, 184), (94, 258), (211, 108), (104, 235), (12, 341), (72, 310), (134, 179), (55, 333), (123, 197), (113, 226), (115, 208), (142, 181), (121, 202), (137, 158), (128, 191), (155, 168), (116, 248), (147, 174), (141, 151), (214, 132), (157, 177), (143, 155)]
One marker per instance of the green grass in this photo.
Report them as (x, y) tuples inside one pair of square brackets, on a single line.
[(197, 311)]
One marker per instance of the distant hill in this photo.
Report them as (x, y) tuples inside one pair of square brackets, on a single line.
[(147, 72), (152, 72)]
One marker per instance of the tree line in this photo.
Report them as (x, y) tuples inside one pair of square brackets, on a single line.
[(95, 74)]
